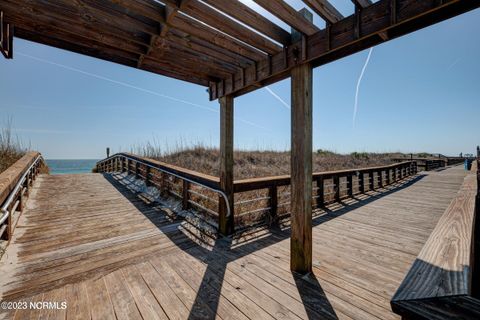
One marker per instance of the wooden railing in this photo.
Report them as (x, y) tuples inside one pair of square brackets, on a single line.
[(195, 190), (428, 164), (268, 199), (439, 283), (257, 200), (15, 183)]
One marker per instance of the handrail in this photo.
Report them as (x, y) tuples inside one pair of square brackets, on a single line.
[(148, 164), (263, 182), (11, 192)]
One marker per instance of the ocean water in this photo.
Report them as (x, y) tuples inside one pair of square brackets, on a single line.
[(70, 166)]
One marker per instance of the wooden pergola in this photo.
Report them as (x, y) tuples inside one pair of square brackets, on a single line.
[(231, 49)]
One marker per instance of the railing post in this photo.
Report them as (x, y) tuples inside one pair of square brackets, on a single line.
[(136, 169), (361, 182), (320, 192), (10, 221), (371, 175), (380, 178), (273, 203), (389, 180), (147, 176), (336, 187), (185, 194), (350, 185)]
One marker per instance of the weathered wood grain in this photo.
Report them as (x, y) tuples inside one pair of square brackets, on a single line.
[(443, 269), (108, 254), (10, 177)]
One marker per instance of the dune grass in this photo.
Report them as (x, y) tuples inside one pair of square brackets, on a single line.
[(11, 149), (250, 164)]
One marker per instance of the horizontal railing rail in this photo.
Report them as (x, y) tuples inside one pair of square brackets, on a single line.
[(15, 183), (440, 279), (257, 200)]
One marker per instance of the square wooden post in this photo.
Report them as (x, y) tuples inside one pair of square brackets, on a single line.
[(301, 163), (225, 221), (320, 192), (361, 182)]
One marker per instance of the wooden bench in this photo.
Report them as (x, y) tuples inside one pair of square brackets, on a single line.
[(439, 283)]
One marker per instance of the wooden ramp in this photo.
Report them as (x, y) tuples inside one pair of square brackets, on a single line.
[(88, 241)]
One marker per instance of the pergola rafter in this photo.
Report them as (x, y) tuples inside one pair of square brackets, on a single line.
[(231, 49)]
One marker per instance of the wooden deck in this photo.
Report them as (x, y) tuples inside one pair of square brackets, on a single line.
[(86, 240)]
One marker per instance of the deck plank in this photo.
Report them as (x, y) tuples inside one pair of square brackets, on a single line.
[(87, 240)]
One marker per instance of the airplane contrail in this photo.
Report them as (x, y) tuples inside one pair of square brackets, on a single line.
[(134, 87), (276, 96), (355, 107)]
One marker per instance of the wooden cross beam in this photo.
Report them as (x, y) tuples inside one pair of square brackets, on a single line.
[(371, 25), (325, 10), (6, 38)]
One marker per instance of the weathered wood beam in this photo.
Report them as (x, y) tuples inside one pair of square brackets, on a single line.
[(6, 37), (301, 165), (219, 21), (362, 3), (226, 222), (287, 14), (158, 12), (251, 18), (111, 55), (325, 10), (340, 39), (40, 12), (70, 29)]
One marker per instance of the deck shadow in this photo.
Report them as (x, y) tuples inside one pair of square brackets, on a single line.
[(223, 252)]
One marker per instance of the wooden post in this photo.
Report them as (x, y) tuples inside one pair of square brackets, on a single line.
[(380, 178), (185, 194), (361, 182), (147, 176), (389, 180), (301, 162), (273, 195), (226, 223), (336, 187), (320, 192), (350, 185), (371, 174)]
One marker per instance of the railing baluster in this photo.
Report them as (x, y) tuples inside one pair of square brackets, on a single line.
[(361, 182), (273, 202), (350, 185), (185, 194), (372, 180), (336, 186), (320, 192)]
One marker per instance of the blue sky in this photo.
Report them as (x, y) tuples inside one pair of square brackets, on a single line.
[(420, 92)]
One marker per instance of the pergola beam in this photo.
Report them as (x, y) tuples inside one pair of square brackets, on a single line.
[(6, 37), (377, 23), (253, 19), (219, 21), (325, 10), (362, 3), (287, 14), (109, 54)]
